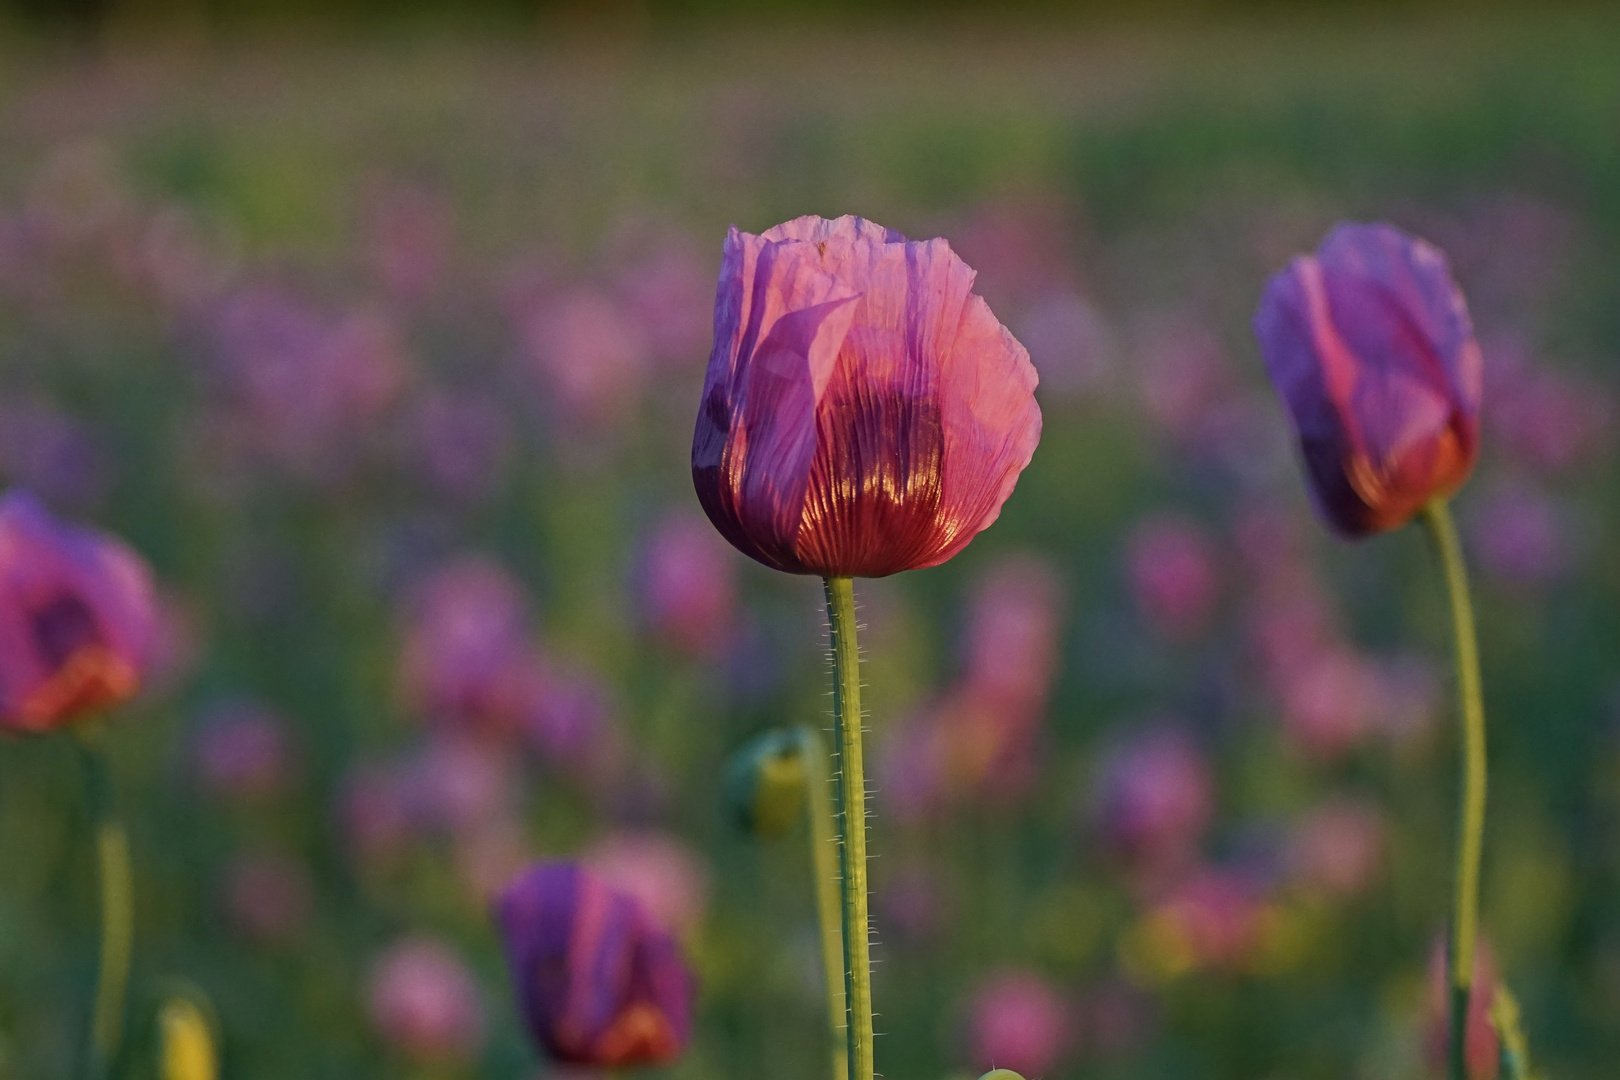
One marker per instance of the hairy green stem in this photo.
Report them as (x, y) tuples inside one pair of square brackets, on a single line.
[(824, 864), (1471, 808), (851, 789)]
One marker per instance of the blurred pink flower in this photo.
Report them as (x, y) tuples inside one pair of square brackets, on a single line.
[(1543, 418), (1480, 1034), (1183, 375), (1210, 920), (424, 1002), (1018, 1021), (1013, 626), (460, 441), (1155, 799), (661, 871), (268, 897), (455, 785), (670, 288), (1068, 343), (304, 386), (1338, 847), (408, 232), (186, 261), (242, 751), (589, 351), (1170, 563), (570, 723), (375, 812), (1330, 702), (1520, 536), (688, 587), (467, 660), (52, 453)]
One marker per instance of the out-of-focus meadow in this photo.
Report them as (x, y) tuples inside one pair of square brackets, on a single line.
[(387, 356)]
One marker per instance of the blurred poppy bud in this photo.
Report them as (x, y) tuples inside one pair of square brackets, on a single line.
[(78, 618), (186, 1041), (598, 983), (765, 781), (1370, 346), (863, 411)]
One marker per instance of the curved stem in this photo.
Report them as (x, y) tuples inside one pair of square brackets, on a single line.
[(1471, 809), (851, 788), (824, 864), (117, 906)]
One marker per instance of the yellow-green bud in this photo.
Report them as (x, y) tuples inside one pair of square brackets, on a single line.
[(187, 1042), (765, 783), (1001, 1074)]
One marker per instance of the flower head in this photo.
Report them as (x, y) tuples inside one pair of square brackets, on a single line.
[(598, 982), (863, 412), (1370, 346), (78, 618)]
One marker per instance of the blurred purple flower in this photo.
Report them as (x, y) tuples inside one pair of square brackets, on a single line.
[(1171, 566), (1011, 651), (589, 351), (662, 872), (460, 441), (268, 897), (305, 387), (1155, 798), (1370, 346), (668, 288), (570, 722), (598, 982), (48, 451), (78, 617), (1183, 376), (1330, 702), (455, 784), (1520, 535), (1019, 1021), (407, 232), (375, 812), (688, 585), (242, 750), (1068, 343), (1338, 847), (424, 1002), (467, 660)]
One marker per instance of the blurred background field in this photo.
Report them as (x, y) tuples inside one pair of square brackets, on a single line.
[(360, 334)]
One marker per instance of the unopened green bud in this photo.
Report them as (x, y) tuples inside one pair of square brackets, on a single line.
[(186, 1039), (765, 782), (1001, 1074)]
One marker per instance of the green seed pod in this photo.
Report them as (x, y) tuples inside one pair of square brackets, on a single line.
[(186, 1041), (765, 782), (1001, 1074)]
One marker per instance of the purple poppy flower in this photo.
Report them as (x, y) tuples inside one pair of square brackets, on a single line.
[(598, 982), (425, 1003), (1369, 343), (863, 411), (78, 618)]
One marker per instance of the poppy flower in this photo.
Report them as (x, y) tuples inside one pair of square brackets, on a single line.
[(863, 411), (1369, 343), (78, 618), (598, 982)]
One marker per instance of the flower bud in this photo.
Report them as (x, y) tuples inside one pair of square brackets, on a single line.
[(1370, 345), (186, 1040), (765, 783), (863, 411)]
